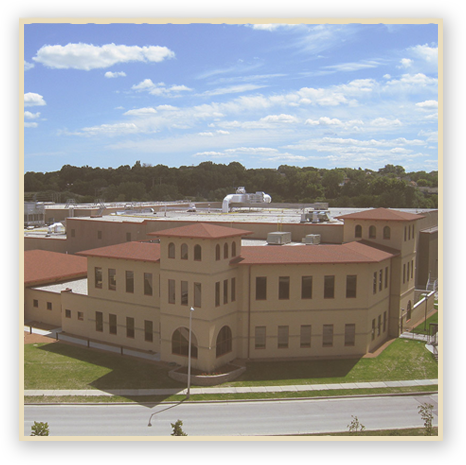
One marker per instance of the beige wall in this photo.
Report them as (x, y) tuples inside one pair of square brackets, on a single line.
[(316, 312), (41, 314)]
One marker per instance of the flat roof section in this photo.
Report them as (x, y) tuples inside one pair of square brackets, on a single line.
[(78, 286)]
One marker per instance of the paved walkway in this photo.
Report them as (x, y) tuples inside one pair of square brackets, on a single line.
[(233, 390)]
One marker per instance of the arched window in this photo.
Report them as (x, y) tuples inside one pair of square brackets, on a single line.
[(358, 231), (217, 252), (197, 253), (225, 250), (233, 249), (224, 341), (184, 251), (386, 232), (180, 343), (372, 232), (171, 250), (408, 311)]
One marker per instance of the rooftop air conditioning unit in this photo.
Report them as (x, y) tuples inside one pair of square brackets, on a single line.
[(278, 238), (312, 239)]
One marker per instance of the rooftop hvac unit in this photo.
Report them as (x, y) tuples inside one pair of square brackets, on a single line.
[(312, 239), (278, 238)]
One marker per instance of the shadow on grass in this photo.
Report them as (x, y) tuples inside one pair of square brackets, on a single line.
[(297, 370), (120, 372)]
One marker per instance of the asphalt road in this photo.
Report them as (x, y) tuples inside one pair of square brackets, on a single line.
[(231, 418)]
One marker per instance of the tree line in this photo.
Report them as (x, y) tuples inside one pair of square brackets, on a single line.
[(390, 186)]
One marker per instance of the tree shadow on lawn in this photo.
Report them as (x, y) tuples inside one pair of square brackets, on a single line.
[(125, 372)]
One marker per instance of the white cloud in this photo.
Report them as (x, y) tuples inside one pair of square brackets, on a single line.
[(160, 88), (28, 66), (30, 125), (387, 76), (29, 115), (209, 134), (141, 112), (428, 105), (166, 108), (31, 100), (116, 74), (426, 53), (270, 27), (110, 129), (324, 120), (405, 63), (384, 122), (279, 119), (232, 89), (87, 56)]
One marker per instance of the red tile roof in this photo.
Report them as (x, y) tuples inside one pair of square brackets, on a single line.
[(381, 214), (352, 252), (140, 251), (42, 266), (201, 231)]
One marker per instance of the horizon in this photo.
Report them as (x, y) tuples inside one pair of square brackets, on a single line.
[(264, 95)]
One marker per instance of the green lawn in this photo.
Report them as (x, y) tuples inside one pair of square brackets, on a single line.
[(419, 329), (403, 359), (63, 366)]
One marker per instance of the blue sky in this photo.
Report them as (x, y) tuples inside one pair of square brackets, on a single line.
[(323, 95)]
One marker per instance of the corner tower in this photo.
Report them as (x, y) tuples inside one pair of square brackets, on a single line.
[(395, 230), (195, 272)]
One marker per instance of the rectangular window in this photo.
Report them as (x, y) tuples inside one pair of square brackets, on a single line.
[(283, 334), (111, 279), (407, 271), (98, 277), (112, 323), (305, 338), (80, 316), (386, 277), (380, 279), (99, 234), (350, 334), (374, 283), (327, 336), (171, 291), (197, 294), (406, 233), (379, 325), (225, 291), (404, 273), (49, 305), (284, 287), (148, 331), (129, 281), (67, 313), (412, 268), (99, 321), (217, 293), (261, 288), (184, 292), (130, 327), (306, 287), (329, 287), (384, 321), (373, 330), (233, 289), (148, 284), (35, 303), (351, 286), (128, 237), (259, 337)]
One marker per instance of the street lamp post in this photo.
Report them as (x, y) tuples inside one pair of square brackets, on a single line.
[(191, 310), (425, 313)]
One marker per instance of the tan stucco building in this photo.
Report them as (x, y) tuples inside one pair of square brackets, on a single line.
[(249, 302)]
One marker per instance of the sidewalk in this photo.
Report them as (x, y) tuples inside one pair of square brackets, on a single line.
[(232, 390)]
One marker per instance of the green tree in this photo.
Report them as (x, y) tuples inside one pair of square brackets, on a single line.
[(355, 426), (177, 430), (425, 410), (40, 429)]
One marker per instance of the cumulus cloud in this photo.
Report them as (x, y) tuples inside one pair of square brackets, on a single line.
[(160, 88), (428, 105), (88, 56), (405, 63), (31, 100), (116, 74), (29, 115), (30, 125), (141, 112), (384, 122), (28, 66), (232, 89), (426, 53)]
